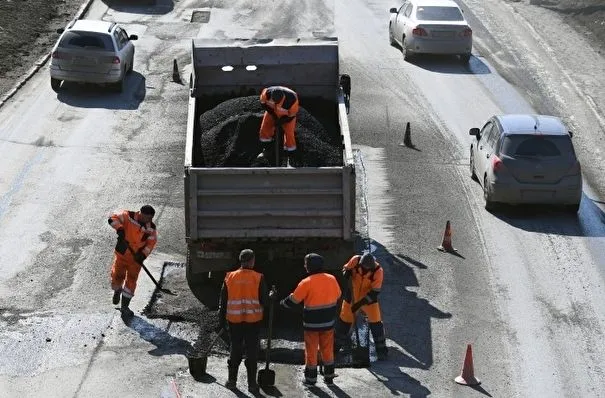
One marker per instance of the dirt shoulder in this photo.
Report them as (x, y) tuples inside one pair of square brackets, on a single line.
[(28, 32)]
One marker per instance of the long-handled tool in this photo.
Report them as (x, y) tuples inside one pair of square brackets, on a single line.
[(279, 136), (167, 291), (266, 376), (198, 363), (360, 354)]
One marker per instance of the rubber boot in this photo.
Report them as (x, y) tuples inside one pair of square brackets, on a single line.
[(232, 378), (329, 374), (127, 314), (341, 335), (377, 329), (251, 368), (310, 376), (116, 296), (293, 159)]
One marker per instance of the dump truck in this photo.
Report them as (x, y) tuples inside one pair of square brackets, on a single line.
[(282, 213)]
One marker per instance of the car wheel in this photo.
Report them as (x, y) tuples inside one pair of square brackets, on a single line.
[(465, 58), (472, 167), (407, 55), (489, 204), (55, 84)]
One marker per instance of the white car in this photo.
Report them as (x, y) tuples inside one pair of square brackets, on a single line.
[(430, 27), (91, 51)]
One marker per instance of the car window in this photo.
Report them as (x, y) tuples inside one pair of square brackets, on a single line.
[(408, 10), (402, 8), (494, 135), (434, 13), (485, 131), (116, 36), (86, 40), (537, 146)]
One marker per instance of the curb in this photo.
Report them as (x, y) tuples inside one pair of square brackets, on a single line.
[(41, 61)]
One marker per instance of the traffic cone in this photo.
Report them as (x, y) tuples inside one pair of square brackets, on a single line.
[(467, 377), (176, 77), (446, 244), (407, 139)]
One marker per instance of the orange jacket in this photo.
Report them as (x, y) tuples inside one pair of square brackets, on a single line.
[(139, 236), (287, 106), (242, 296), (319, 294), (364, 286)]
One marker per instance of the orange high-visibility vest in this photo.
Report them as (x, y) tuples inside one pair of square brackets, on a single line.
[(319, 293), (363, 284), (288, 106), (139, 235), (243, 304)]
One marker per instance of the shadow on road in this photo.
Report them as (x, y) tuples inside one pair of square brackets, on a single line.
[(589, 221), (97, 96), (148, 7), (449, 64), (165, 343)]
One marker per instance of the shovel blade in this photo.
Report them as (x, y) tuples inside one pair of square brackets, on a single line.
[(197, 367), (361, 356), (266, 378)]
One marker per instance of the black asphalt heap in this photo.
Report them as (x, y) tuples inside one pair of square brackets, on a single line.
[(229, 135)]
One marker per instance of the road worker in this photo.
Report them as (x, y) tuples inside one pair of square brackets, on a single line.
[(365, 277), (319, 294), (137, 236), (281, 106), (243, 296)]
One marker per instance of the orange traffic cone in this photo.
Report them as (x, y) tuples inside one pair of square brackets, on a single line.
[(446, 244), (467, 377)]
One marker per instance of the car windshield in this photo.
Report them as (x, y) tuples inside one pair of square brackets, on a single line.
[(537, 146), (86, 40), (439, 14)]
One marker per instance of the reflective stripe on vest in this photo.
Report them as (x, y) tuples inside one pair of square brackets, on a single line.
[(243, 303)]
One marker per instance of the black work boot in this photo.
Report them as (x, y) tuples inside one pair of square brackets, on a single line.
[(232, 378), (329, 374), (310, 376), (116, 296), (127, 314), (252, 384)]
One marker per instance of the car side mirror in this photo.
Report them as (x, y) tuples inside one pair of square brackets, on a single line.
[(133, 37), (475, 131), (393, 10), (60, 30)]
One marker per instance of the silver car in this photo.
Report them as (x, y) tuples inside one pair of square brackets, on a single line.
[(526, 159), (430, 27), (92, 52)]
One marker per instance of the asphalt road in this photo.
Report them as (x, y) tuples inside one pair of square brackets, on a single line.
[(526, 289)]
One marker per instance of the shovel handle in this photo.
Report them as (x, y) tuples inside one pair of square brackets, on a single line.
[(270, 331)]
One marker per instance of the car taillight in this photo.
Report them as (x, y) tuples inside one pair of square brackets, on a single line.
[(115, 61), (58, 55), (467, 32), (575, 169), (497, 164), (419, 32)]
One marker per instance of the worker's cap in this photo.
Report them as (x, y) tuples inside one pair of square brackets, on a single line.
[(314, 262), (148, 210), (246, 255), (367, 261)]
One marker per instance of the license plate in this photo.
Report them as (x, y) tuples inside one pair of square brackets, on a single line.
[(443, 33), (536, 196), (215, 255), (85, 60)]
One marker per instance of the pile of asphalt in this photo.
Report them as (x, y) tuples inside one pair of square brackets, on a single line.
[(228, 135)]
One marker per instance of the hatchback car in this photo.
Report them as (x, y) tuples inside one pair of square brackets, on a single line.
[(431, 27), (91, 51), (526, 159)]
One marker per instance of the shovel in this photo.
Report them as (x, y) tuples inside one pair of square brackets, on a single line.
[(360, 354), (198, 363), (167, 291), (266, 376)]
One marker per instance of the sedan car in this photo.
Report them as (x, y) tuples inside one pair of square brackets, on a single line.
[(430, 27), (526, 159), (91, 51)]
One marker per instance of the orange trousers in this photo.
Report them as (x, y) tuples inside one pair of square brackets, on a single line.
[(267, 131), (124, 267), (322, 340), (372, 311)]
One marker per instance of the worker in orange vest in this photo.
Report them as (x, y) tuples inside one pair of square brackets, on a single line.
[(365, 275), (243, 296), (319, 294), (137, 236), (281, 106)]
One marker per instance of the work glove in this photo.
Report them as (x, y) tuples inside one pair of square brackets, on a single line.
[(284, 119), (121, 233), (356, 306), (346, 273), (121, 244), (273, 293), (139, 257)]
